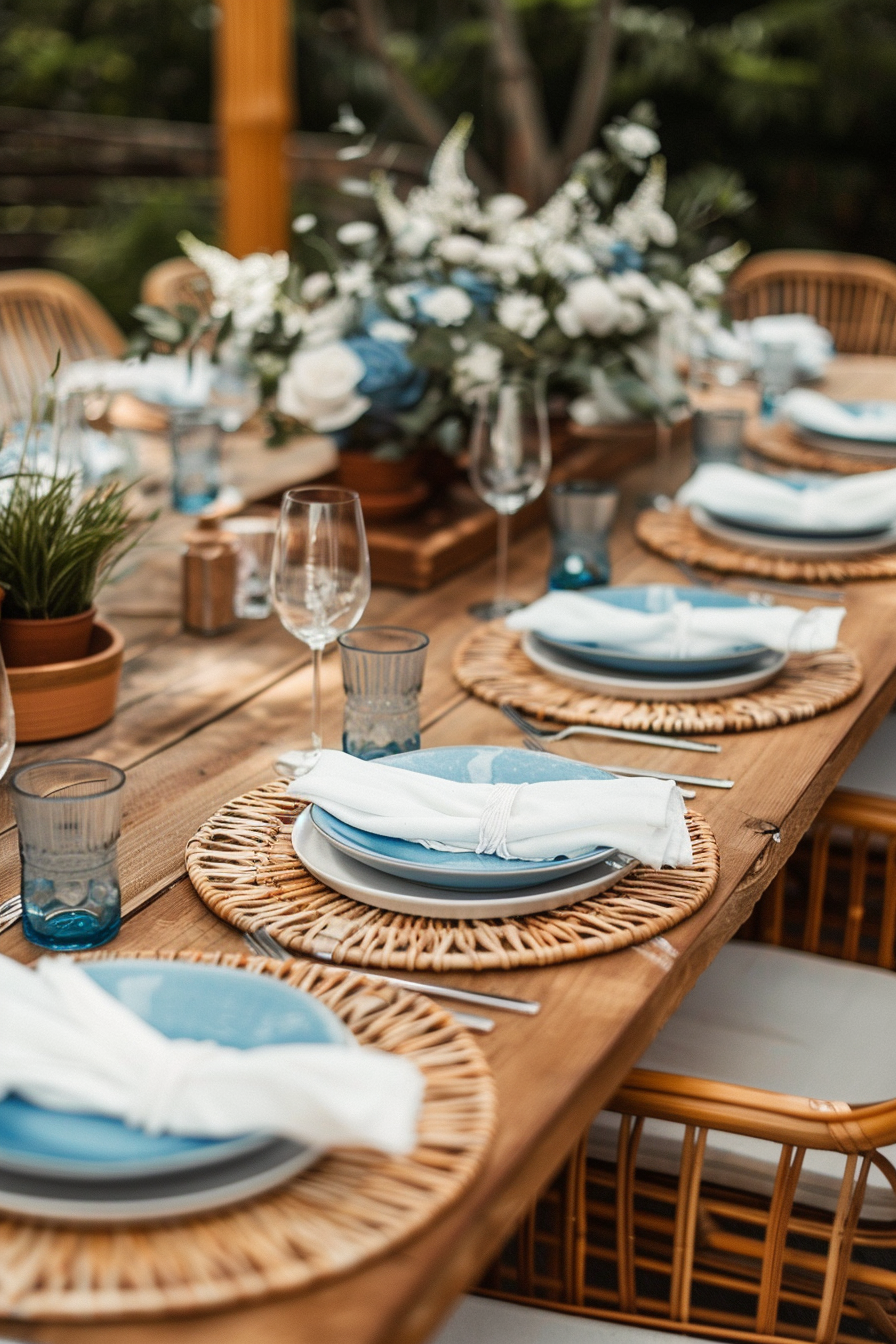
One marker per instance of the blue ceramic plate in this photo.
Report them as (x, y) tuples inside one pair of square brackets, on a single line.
[(658, 597), (865, 431), (463, 872), (181, 1000)]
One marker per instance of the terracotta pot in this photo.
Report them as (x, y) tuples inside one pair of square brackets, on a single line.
[(388, 489), (65, 699), (35, 643)]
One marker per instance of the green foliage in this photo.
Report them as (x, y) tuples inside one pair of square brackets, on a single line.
[(56, 549)]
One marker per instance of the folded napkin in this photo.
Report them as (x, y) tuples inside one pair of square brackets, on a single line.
[(164, 380), (642, 817), (679, 630), (69, 1046), (852, 504), (871, 420), (813, 344)]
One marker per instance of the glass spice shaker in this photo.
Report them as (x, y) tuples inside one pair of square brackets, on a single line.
[(209, 570)]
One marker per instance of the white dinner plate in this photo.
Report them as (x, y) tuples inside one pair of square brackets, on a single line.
[(831, 443), (627, 686), (814, 548), (372, 887)]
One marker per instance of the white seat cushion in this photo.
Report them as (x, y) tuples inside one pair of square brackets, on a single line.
[(787, 1022), (874, 769), (479, 1320)]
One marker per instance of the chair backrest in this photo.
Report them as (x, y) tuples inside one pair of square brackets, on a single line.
[(177, 281), (853, 296), (44, 315)]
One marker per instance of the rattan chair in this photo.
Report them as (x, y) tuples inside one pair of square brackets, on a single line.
[(853, 296), (478, 1321), (44, 315), (174, 282), (742, 1184)]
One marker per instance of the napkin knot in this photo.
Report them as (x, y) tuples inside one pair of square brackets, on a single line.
[(161, 1078), (495, 818)]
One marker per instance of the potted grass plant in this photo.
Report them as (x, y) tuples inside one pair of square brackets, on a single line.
[(58, 545)]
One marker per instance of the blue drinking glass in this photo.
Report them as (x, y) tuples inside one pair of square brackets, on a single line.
[(69, 818), (196, 453), (382, 672), (582, 514)]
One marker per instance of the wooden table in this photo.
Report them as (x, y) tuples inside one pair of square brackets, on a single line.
[(202, 721)]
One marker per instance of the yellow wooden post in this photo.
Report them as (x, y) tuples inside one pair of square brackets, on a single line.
[(254, 106)]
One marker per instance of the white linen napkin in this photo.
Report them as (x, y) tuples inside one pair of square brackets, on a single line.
[(874, 421), (814, 344), (642, 817), (848, 505), (69, 1046), (680, 631), (164, 380)]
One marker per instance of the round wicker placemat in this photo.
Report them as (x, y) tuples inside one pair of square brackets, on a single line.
[(491, 664), (676, 536), (778, 443), (244, 867), (348, 1207)]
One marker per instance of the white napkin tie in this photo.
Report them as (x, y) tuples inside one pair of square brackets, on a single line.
[(494, 820), (160, 1079)]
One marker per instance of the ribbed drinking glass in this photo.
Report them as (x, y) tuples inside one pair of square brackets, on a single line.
[(382, 672)]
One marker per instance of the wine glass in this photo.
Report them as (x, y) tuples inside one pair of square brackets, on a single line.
[(7, 721), (510, 459), (320, 580)]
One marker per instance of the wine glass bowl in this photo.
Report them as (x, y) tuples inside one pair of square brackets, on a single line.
[(510, 460), (320, 578)]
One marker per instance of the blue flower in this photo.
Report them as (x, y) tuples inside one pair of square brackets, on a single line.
[(626, 258), (391, 380), (480, 291)]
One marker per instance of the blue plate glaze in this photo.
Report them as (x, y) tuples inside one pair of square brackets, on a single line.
[(658, 597), (467, 871), (198, 1003)]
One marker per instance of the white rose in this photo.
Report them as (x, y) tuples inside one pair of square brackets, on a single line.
[(316, 286), (523, 313), (459, 249), (480, 367), (319, 387), (449, 305), (387, 330), (639, 141), (356, 233), (594, 304)]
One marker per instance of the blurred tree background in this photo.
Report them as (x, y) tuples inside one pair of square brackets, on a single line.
[(797, 97)]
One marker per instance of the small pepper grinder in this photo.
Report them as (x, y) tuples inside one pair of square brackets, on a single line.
[(209, 570)]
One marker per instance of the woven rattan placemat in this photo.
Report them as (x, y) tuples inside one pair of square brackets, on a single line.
[(675, 535), (778, 443), (491, 664), (348, 1207), (244, 867)]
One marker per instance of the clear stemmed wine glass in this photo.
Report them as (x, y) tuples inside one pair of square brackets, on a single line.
[(510, 459), (320, 579)]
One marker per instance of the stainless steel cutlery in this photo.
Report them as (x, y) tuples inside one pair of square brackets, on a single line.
[(590, 730)]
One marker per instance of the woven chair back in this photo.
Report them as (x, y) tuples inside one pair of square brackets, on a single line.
[(853, 296), (175, 282), (45, 315)]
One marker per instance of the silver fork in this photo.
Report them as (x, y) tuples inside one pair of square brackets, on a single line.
[(702, 781), (590, 730), (755, 590)]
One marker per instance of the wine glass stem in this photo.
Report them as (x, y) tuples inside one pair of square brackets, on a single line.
[(316, 737), (501, 559)]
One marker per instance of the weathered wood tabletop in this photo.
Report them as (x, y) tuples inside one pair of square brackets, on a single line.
[(202, 721)]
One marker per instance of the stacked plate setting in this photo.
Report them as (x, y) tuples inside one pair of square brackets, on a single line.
[(406, 877), (626, 674), (871, 435), (95, 1170)]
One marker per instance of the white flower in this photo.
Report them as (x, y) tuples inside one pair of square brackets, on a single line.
[(400, 299), (293, 317), (479, 368), (677, 299), (415, 237), (304, 223), (642, 220), (523, 313), (357, 278), (356, 186), (459, 249), (319, 386), (505, 207), (508, 262), (591, 305), (387, 330), (327, 323), (246, 287), (348, 123), (316, 286), (635, 285), (704, 282), (631, 317), (563, 260), (356, 233), (639, 141), (449, 305)]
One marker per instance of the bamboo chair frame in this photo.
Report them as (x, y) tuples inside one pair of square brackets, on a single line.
[(853, 296), (683, 1254), (44, 315), (174, 282)]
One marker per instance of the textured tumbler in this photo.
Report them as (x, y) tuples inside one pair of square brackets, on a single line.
[(382, 671)]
